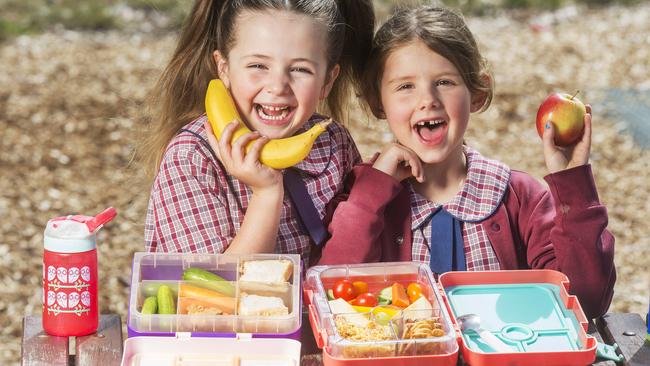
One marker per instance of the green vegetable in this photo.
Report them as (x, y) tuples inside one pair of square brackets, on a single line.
[(166, 303), (150, 288), (150, 305), (330, 294), (209, 280), (385, 296)]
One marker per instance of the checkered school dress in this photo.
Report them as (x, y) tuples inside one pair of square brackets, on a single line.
[(482, 192), (195, 206)]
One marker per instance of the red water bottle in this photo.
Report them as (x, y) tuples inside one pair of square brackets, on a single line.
[(70, 274)]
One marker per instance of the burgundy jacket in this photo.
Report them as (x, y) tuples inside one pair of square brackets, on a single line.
[(562, 228)]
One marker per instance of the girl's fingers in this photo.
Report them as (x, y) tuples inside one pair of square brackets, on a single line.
[(416, 167), (212, 140), (582, 149), (586, 136), (240, 144), (548, 138), (226, 135), (253, 154)]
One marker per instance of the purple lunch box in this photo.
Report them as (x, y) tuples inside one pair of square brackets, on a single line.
[(151, 270)]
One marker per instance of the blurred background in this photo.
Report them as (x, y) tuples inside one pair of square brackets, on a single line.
[(75, 75)]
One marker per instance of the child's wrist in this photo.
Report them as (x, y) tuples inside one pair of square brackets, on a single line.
[(273, 192)]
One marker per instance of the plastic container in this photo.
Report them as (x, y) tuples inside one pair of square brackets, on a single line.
[(529, 310), (331, 328), (150, 270), (157, 351)]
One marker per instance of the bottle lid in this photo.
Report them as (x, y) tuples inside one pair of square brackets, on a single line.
[(68, 235)]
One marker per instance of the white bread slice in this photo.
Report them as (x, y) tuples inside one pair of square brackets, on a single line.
[(342, 308), (268, 271), (419, 309), (261, 305), (281, 290)]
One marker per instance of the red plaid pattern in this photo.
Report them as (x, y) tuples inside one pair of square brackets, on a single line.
[(196, 206), (482, 192)]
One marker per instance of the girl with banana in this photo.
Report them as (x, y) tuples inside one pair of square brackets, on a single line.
[(280, 60)]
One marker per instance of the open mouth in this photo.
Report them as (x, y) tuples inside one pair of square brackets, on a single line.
[(274, 115), (431, 132)]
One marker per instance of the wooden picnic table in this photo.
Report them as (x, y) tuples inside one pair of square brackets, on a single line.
[(105, 347)]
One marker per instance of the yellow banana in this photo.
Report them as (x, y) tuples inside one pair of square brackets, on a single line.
[(277, 153)]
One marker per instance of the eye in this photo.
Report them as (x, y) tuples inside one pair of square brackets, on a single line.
[(445, 82), (404, 86), (301, 69), (257, 66)]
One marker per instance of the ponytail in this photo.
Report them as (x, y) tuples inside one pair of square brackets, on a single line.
[(178, 96)]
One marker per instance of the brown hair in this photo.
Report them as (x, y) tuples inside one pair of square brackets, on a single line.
[(178, 96), (445, 32)]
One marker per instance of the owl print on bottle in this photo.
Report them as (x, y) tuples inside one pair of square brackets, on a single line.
[(67, 289)]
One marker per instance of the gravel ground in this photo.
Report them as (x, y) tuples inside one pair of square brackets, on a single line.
[(67, 114)]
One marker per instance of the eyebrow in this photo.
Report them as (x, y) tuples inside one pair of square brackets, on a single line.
[(408, 77), (299, 59)]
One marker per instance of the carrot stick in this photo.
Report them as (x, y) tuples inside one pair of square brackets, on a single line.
[(196, 292), (400, 298)]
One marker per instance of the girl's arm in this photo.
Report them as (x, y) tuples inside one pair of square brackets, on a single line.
[(565, 229), (259, 230), (188, 210), (356, 218)]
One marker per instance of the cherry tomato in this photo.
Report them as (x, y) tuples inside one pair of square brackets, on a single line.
[(365, 299), (360, 287), (414, 291), (343, 289)]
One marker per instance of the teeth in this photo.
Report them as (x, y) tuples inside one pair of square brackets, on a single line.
[(262, 108), (272, 108), (430, 123)]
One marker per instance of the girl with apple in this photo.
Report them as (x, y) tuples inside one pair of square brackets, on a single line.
[(431, 198)]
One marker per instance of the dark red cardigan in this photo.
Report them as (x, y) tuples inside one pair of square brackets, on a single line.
[(561, 228)]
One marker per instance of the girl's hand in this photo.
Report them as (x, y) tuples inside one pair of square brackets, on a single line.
[(400, 162), (245, 166), (561, 158)]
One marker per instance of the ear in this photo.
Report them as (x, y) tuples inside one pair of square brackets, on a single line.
[(329, 81), (222, 67), (478, 99)]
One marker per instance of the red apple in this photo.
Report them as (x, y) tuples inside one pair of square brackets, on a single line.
[(567, 113)]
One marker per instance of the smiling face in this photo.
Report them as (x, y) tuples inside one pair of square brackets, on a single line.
[(277, 70), (426, 102)]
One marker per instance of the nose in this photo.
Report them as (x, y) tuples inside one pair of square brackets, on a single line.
[(278, 83), (429, 99)]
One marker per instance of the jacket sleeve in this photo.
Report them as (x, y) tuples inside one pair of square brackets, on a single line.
[(565, 229), (356, 218)]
